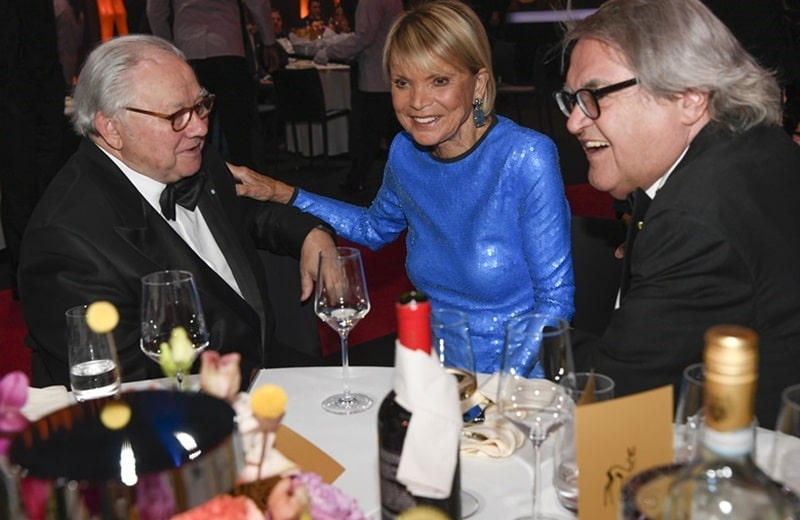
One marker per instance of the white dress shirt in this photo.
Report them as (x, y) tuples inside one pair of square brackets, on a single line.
[(191, 226)]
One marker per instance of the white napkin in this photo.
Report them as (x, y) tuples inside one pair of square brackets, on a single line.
[(42, 401), (502, 437), (430, 450)]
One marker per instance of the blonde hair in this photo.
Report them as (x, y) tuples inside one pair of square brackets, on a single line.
[(441, 30)]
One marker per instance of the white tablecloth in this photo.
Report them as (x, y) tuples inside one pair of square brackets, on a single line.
[(336, 87), (503, 486)]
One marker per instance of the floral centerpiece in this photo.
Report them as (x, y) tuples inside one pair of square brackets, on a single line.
[(291, 494)]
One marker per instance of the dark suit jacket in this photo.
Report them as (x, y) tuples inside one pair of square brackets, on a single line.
[(93, 237), (720, 244)]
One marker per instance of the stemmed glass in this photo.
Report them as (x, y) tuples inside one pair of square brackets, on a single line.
[(341, 301), (537, 382), (170, 300), (453, 347), (786, 447), (689, 413)]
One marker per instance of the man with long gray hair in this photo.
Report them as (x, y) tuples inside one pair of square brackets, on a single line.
[(671, 110)]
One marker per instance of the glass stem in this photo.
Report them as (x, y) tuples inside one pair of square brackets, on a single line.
[(537, 451), (179, 381), (345, 365)]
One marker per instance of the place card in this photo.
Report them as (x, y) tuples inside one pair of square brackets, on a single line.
[(307, 455), (616, 439)]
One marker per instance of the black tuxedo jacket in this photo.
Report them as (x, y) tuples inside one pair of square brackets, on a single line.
[(93, 236), (720, 244)]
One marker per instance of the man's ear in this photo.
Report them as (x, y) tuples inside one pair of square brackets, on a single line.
[(108, 129), (695, 105)]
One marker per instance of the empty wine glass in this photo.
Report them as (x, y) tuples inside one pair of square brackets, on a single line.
[(341, 301), (786, 445), (169, 301), (453, 347), (537, 382), (689, 413)]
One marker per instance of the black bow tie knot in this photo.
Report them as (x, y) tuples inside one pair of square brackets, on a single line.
[(185, 192)]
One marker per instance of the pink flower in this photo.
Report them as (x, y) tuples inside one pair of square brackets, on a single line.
[(13, 396), (328, 502), (220, 375)]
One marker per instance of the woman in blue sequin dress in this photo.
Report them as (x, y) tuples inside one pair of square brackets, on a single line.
[(481, 197)]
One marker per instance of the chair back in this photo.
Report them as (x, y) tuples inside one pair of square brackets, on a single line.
[(504, 62), (298, 95)]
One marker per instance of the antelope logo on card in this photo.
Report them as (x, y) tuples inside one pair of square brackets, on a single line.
[(616, 475), (616, 439)]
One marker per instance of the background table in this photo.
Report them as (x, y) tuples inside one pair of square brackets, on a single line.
[(503, 486), (336, 87)]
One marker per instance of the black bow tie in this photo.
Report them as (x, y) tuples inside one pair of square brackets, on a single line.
[(185, 192)]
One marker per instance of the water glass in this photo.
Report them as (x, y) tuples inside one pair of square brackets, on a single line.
[(565, 477), (689, 413), (786, 446), (92, 370), (453, 346)]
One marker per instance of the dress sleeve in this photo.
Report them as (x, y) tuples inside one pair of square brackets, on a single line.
[(545, 221), (372, 227)]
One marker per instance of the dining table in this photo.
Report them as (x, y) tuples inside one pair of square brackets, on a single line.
[(503, 486)]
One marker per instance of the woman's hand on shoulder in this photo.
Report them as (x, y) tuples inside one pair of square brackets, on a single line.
[(260, 187)]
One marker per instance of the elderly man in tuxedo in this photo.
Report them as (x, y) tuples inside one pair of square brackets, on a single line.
[(110, 217), (668, 106)]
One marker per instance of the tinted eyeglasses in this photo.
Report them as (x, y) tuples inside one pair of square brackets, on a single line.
[(587, 98), (181, 118)]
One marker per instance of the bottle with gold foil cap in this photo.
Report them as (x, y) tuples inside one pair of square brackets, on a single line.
[(724, 481), (730, 360)]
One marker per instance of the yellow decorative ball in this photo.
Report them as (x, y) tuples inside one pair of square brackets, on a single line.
[(102, 317), (115, 415), (423, 513), (268, 401)]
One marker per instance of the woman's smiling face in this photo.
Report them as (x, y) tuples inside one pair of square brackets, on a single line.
[(434, 104)]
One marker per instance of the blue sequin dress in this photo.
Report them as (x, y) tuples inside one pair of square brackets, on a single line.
[(488, 231)]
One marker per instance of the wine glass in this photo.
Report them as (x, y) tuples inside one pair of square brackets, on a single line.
[(689, 413), (170, 300), (341, 301), (786, 445), (453, 347), (537, 382)]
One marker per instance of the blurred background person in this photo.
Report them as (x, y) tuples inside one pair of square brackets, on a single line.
[(277, 23), (372, 118), (481, 198), (32, 88), (314, 13), (339, 23), (213, 36)]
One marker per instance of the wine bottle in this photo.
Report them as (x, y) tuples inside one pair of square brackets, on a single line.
[(724, 481), (413, 332)]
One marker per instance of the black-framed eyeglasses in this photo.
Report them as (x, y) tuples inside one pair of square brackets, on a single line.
[(587, 98), (181, 118)]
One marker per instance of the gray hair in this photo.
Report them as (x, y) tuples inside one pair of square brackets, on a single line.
[(103, 84), (679, 45)]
